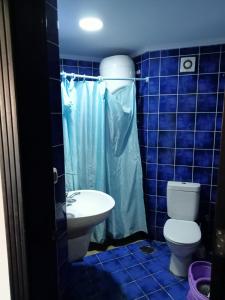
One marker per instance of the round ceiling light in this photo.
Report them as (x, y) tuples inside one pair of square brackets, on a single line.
[(91, 24)]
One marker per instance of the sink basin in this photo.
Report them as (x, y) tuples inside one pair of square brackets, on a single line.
[(85, 209)]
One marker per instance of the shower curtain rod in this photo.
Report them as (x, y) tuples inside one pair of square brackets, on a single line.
[(103, 78)]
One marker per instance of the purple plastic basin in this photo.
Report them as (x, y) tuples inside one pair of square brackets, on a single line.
[(199, 272)]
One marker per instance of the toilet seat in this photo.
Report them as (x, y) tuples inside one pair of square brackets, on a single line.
[(182, 232)]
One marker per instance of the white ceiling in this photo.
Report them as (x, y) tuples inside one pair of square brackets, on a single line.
[(134, 26)]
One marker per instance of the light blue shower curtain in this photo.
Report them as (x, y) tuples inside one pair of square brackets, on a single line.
[(102, 152)]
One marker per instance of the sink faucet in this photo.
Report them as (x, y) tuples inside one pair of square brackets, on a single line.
[(70, 199)]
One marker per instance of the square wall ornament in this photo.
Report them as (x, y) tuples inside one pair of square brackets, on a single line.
[(187, 64)]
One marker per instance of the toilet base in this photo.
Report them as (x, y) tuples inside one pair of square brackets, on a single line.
[(179, 265), (78, 247)]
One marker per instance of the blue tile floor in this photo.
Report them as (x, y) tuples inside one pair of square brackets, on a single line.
[(126, 273)]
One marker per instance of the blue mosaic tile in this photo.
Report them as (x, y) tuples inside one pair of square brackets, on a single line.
[(202, 175), (148, 284), (152, 155), (209, 63), (169, 66), (221, 82), (142, 136), (161, 219), (207, 83), (120, 251), (187, 84), (122, 277), (128, 261), (165, 278), (169, 52), (112, 265), (152, 138), (203, 158), (145, 55), (183, 173), (165, 172), (161, 188), (154, 67), (151, 202), (177, 291), (184, 157), (168, 103), (153, 122), (69, 62), (150, 186), (219, 121), (153, 104), (209, 49), (137, 272), (204, 139), (151, 171), (160, 295), (185, 121), (216, 158), (166, 156), (185, 139), (152, 266), (168, 85), (220, 102), (205, 122), (105, 256), (91, 259), (154, 54), (190, 50), (167, 121), (132, 291), (83, 63), (70, 69), (207, 103), (162, 204), (186, 103), (166, 139), (153, 86)]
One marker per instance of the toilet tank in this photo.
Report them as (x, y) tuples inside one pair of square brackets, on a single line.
[(183, 200), (117, 66)]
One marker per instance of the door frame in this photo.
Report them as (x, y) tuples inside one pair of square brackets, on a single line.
[(218, 262), (10, 164)]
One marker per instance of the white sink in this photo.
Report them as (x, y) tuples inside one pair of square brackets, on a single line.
[(85, 209)]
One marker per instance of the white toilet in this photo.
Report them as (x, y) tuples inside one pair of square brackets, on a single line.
[(182, 234)]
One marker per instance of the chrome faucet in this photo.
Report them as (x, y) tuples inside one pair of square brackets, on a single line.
[(70, 199)]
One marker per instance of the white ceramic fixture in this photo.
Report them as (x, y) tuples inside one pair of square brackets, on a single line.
[(182, 234), (117, 66), (84, 210), (91, 24)]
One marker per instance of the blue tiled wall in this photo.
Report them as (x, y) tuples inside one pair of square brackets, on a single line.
[(57, 143), (80, 67), (179, 123)]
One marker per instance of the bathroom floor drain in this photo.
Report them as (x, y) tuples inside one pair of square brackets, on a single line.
[(147, 249)]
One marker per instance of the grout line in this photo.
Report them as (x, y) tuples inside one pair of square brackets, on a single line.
[(195, 122), (175, 133)]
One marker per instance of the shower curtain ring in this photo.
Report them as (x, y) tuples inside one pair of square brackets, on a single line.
[(100, 78), (73, 77)]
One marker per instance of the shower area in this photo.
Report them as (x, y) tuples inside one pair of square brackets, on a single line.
[(101, 145)]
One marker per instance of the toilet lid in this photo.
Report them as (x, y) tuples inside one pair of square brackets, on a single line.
[(182, 232)]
